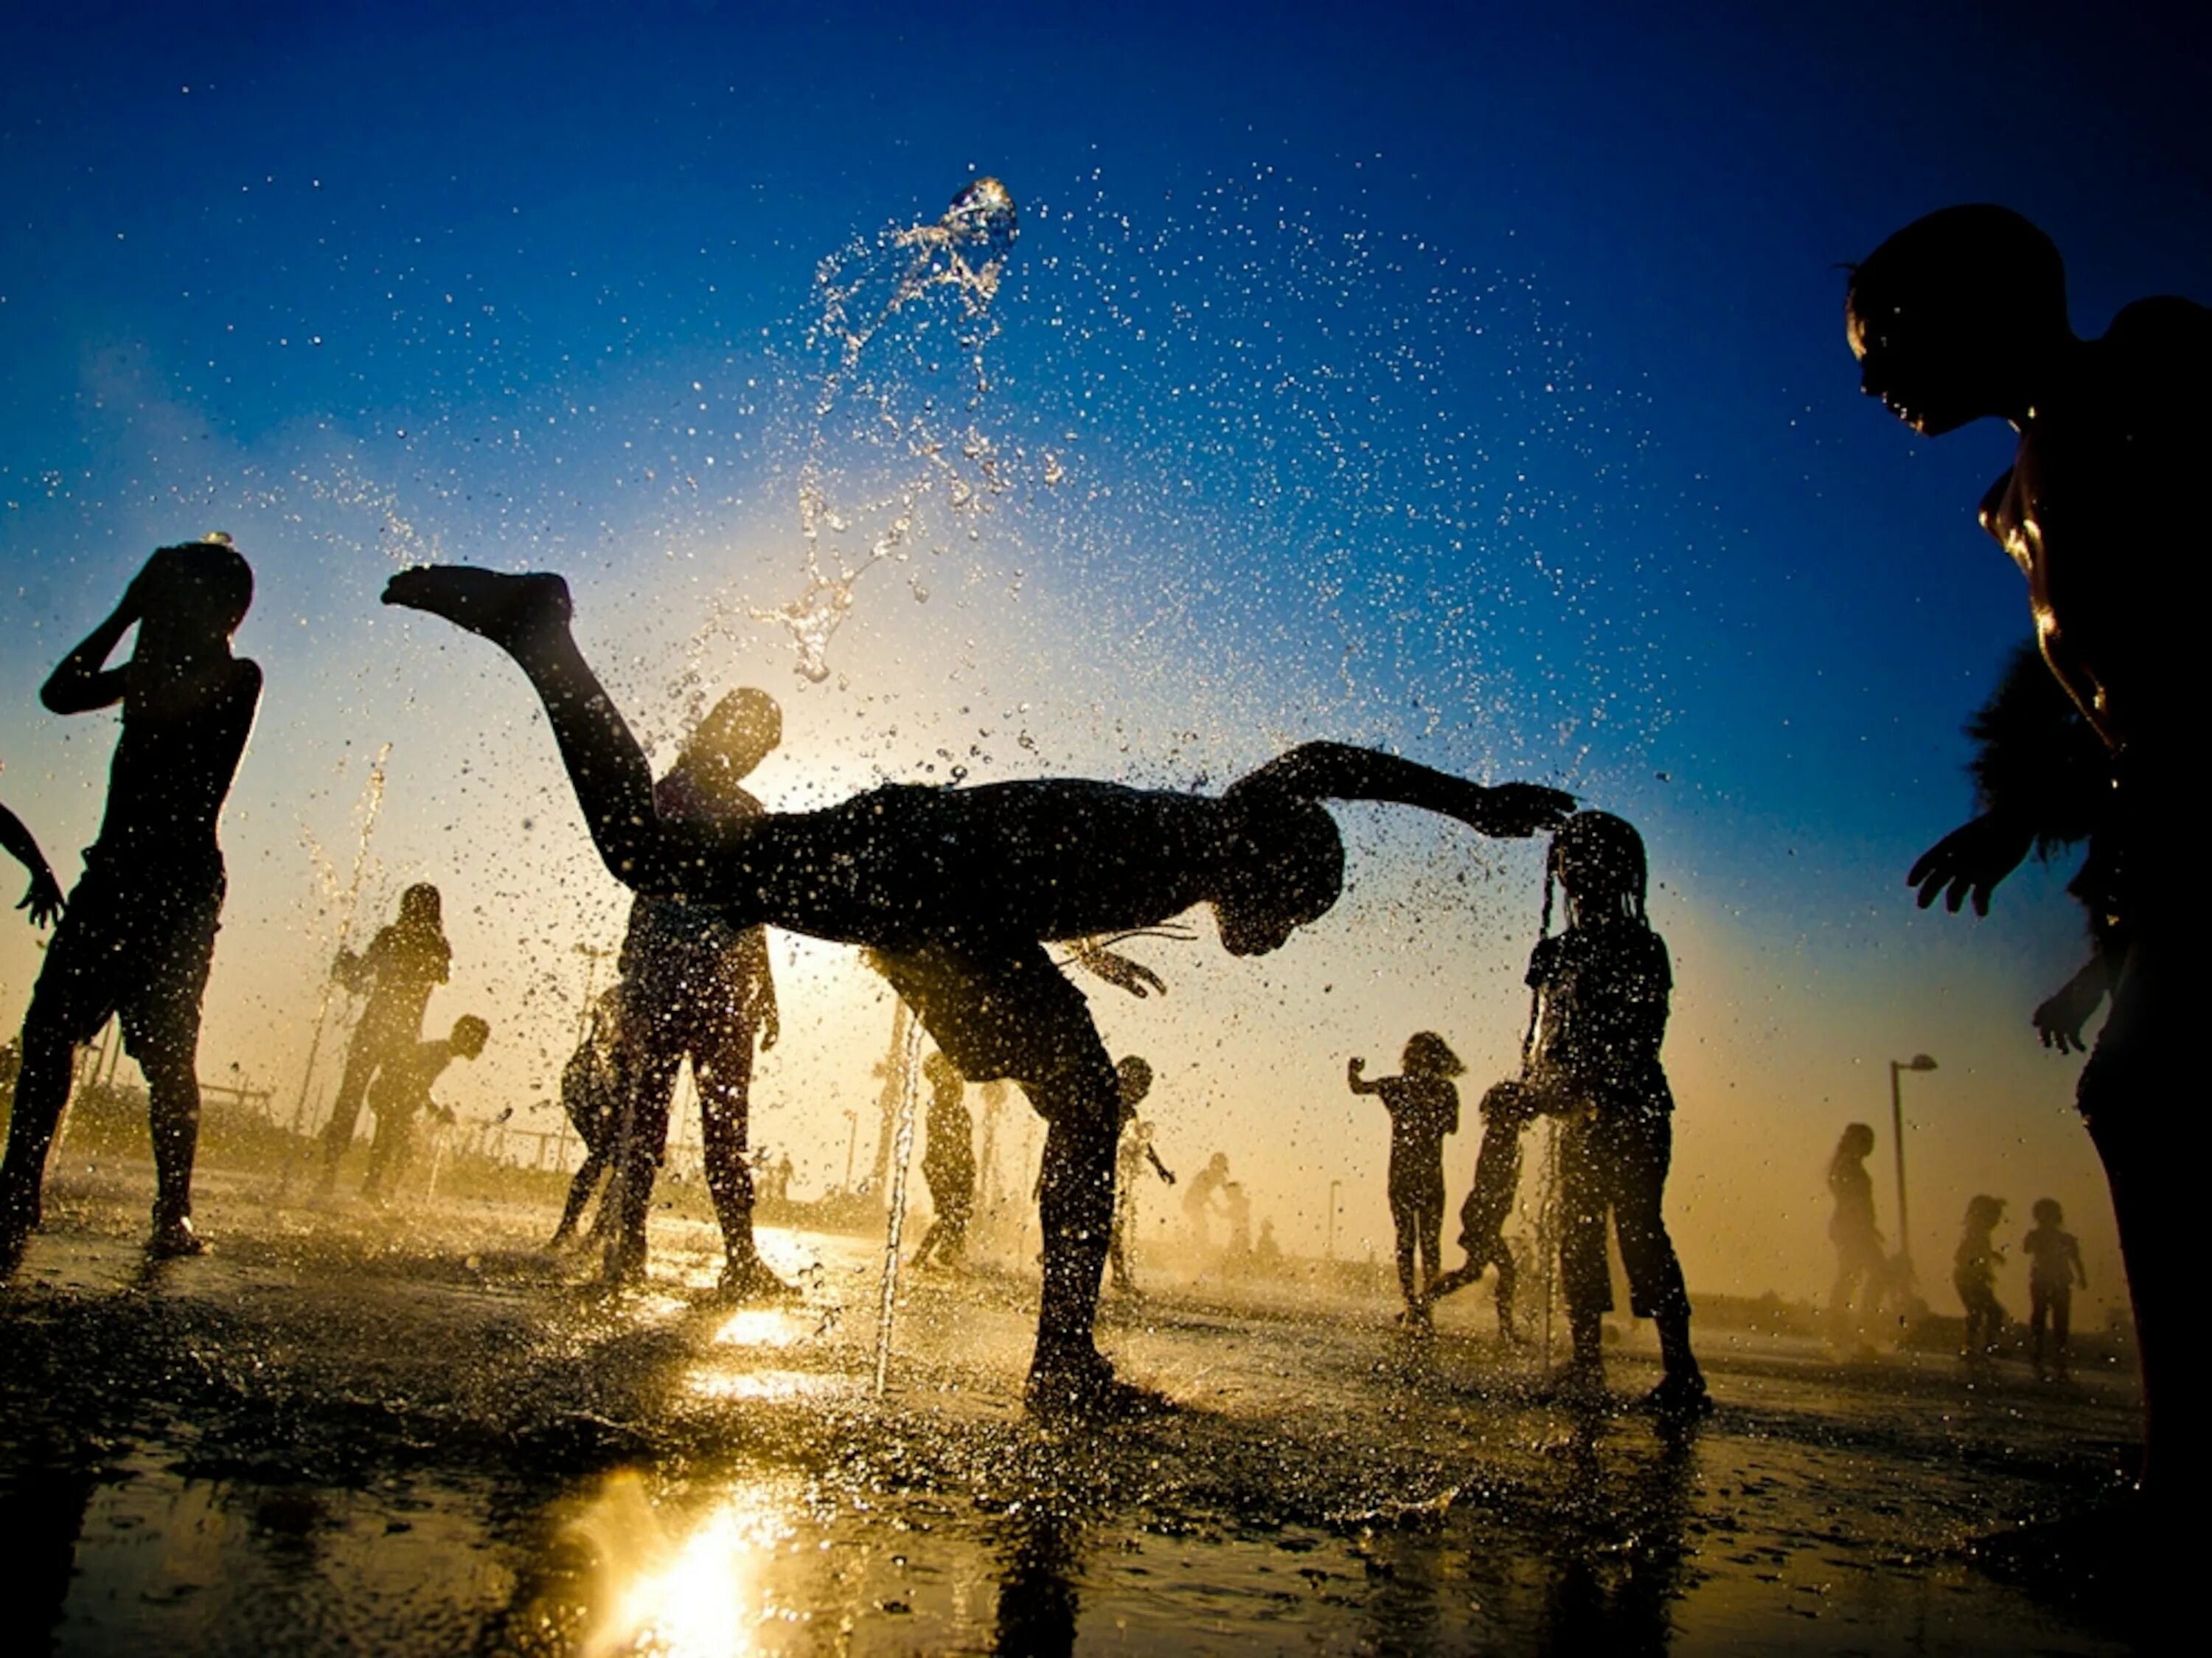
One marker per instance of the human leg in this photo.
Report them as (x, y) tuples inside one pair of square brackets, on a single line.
[(722, 1061), (1583, 1212), (2062, 1323), (1003, 1009), (1405, 1224), (77, 993), (641, 1141), (528, 617), (161, 1023), (1640, 1148), (363, 1055)]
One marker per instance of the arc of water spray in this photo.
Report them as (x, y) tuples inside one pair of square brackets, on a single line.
[(907, 1058), (372, 794)]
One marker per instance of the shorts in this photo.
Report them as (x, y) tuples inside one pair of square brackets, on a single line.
[(135, 949)]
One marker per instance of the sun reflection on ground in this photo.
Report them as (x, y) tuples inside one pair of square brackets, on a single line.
[(770, 1385), (760, 1326), (678, 1587)]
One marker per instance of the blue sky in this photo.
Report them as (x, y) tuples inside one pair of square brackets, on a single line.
[(1490, 399)]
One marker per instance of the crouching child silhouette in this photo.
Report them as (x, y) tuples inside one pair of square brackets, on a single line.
[(139, 930), (401, 1093), (955, 892)]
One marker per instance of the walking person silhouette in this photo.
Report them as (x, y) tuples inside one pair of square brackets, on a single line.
[(955, 892), (402, 963)]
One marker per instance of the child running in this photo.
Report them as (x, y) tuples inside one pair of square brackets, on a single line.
[(1506, 1110), (1974, 1276), (2054, 1262), (1602, 988), (1424, 1107), (957, 890), (402, 1092)]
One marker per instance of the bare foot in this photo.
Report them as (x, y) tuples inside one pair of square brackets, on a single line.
[(508, 610)]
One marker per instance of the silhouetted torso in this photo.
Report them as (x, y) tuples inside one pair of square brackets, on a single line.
[(1041, 859), (2103, 512), (1603, 1015), (1423, 1111), (674, 948), (402, 963), (174, 765)]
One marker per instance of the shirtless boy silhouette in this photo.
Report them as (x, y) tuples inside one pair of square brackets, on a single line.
[(955, 892), (140, 927), (1961, 316)]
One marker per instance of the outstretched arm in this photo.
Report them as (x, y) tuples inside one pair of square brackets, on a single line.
[(527, 617), (44, 897), (1336, 770), (1353, 1068)]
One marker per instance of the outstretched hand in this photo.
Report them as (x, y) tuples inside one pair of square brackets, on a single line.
[(2059, 1020), (1517, 809), (1969, 863), (43, 899)]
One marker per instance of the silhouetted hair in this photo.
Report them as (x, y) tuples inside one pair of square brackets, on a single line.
[(2048, 1213), (1599, 859), (1981, 265), (1856, 1142), (1428, 1054), (420, 905), (470, 1035), (1983, 1211), (213, 573)]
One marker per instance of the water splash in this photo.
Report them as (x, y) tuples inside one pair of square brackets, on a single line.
[(907, 1068), (884, 449)]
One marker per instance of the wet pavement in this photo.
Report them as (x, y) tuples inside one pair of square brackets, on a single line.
[(415, 1431)]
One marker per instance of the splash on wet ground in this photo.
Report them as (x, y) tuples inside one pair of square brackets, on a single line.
[(415, 1431)]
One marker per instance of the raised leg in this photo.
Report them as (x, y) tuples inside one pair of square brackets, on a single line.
[(527, 617)]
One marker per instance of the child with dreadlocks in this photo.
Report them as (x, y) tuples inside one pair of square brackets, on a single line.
[(1602, 989)]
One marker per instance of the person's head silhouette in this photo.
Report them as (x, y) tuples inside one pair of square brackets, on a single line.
[(1952, 317)]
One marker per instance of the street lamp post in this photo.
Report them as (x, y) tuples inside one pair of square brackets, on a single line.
[(1918, 1062), (1329, 1249)]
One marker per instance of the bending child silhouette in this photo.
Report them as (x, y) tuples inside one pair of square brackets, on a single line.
[(1962, 314), (402, 1092), (955, 891), (139, 931), (594, 1093)]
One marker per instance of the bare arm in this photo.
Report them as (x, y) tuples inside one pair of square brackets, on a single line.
[(1124, 972), (84, 682), (1359, 1084), (44, 897), (1336, 770), (2059, 1019)]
